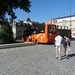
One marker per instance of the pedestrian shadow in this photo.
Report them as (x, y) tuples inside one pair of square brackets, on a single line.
[(69, 56), (63, 57)]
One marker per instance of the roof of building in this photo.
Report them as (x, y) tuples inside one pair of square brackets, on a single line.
[(64, 17), (28, 19)]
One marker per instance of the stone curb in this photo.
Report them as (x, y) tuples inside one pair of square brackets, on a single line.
[(4, 46)]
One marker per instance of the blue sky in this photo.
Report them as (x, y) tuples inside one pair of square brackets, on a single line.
[(43, 10)]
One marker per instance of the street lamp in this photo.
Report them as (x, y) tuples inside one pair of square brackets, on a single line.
[(70, 20), (70, 15)]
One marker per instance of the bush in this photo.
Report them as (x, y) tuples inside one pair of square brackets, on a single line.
[(6, 34)]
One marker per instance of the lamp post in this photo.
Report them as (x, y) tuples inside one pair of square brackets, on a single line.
[(70, 15), (70, 20)]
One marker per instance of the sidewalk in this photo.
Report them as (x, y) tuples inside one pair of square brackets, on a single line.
[(3, 46)]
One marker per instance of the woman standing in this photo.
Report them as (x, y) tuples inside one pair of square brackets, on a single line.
[(66, 45)]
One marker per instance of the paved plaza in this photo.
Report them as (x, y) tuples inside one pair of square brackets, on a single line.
[(36, 60)]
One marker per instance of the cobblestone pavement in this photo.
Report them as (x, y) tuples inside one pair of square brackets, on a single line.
[(36, 60)]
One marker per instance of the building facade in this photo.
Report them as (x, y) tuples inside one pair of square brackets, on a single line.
[(19, 27), (64, 21), (67, 21)]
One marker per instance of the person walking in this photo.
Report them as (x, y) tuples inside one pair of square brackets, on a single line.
[(66, 45), (58, 40)]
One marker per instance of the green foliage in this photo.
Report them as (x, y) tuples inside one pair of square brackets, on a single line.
[(8, 6), (6, 34)]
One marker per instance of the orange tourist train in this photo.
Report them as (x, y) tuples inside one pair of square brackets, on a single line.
[(45, 33)]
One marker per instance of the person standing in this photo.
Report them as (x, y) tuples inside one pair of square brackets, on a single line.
[(66, 45), (58, 40)]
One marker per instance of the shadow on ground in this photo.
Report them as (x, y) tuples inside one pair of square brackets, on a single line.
[(47, 43), (69, 56)]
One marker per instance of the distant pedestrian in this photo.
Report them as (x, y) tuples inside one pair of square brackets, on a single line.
[(66, 45), (30, 38), (58, 40)]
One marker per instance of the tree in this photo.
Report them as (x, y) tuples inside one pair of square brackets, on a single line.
[(8, 6)]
